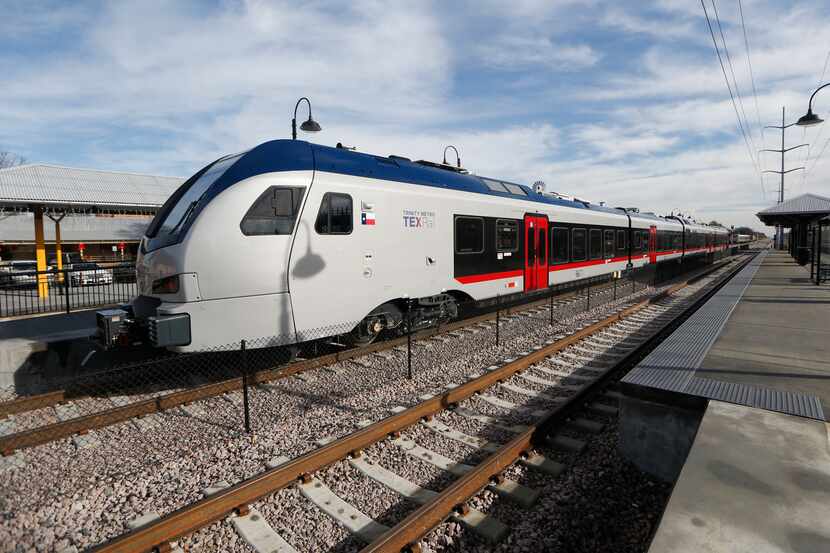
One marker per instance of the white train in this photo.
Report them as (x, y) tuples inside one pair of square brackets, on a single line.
[(291, 240)]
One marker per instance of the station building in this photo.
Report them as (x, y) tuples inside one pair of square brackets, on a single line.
[(96, 215)]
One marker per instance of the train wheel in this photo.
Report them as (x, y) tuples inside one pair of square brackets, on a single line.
[(384, 317)]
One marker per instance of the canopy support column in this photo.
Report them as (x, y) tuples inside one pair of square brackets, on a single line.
[(58, 250), (40, 255)]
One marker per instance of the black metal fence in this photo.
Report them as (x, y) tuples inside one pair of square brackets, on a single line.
[(80, 286)]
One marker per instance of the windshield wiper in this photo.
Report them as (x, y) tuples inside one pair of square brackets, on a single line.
[(186, 214)]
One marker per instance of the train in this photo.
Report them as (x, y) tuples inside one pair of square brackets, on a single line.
[(292, 241)]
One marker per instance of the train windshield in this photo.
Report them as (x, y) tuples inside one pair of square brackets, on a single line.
[(188, 199)]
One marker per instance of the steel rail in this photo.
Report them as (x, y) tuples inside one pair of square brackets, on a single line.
[(206, 511), (107, 417), (405, 535), (236, 498)]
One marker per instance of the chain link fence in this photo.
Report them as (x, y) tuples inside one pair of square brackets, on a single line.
[(237, 390)]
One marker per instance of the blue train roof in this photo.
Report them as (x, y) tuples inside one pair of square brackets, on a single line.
[(297, 155)]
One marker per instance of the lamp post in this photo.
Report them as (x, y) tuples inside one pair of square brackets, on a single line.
[(811, 118), (457, 157), (310, 125)]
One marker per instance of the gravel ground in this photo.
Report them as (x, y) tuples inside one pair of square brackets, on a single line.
[(81, 496)]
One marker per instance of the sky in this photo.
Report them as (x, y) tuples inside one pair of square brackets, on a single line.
[(614, 101)]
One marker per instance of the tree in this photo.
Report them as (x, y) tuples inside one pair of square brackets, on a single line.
[(9, 159)]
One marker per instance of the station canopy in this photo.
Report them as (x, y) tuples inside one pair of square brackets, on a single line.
[(801, 209), (65, 189)]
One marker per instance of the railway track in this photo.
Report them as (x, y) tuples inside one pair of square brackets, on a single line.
[(70, 414), (528, 399)]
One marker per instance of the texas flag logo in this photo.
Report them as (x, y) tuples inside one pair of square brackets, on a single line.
[(367, 218)]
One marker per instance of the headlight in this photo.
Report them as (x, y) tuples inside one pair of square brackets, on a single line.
[(167, 285)]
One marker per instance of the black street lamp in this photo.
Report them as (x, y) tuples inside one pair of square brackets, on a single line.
[(457, 157), (811, 118), (309, 125)]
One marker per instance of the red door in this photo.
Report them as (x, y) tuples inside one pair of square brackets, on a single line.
[(536, 252), (652, 244)]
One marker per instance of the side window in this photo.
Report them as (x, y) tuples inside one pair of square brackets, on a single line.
[(469, 235), (543, 246), (621, 246), (579, 249), (596, 243), (609, 244), (638, 241), (274, 212), (559, 245), (507, 235), (335, 215)]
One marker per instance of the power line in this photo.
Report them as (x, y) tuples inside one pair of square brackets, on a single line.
[(732, 71), (729, 87), (818, 157), (751, 73)]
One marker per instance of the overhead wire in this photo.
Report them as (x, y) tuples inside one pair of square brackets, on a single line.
[(729, 88), (732, 71), (751, 72), (761, 134)]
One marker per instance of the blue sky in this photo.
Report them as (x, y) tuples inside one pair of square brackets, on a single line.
[(612, 101)]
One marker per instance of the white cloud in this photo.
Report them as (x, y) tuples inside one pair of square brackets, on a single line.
[(514, 53)]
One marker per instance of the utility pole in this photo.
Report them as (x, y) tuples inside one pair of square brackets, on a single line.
[(779, 230)]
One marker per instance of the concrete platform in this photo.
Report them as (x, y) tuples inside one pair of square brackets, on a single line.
[(755, 481), (762, 341), (34, 347), (778, 336)]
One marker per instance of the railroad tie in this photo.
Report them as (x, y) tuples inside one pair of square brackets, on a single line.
[(69, 411), (15, 460), (509, 489), (487, 419), (549, 383), (194, 410), (565, 443), (489, 528), (354, 520), (533, 393), (585, 425), (603, 409), (146, 519), (564, 374), (255, 530), (539, 462)]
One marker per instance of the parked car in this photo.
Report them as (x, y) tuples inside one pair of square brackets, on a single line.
[(87, 274), (22, 273)]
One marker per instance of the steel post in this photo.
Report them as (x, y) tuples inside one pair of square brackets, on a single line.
[(245, 386), (409, 339), (498, 320)]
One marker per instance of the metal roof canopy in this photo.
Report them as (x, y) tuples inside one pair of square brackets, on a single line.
[(801, 209), (55, 188)]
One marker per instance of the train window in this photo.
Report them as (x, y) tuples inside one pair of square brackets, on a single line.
[(507, 235), (494, 185), (335, 215), (579, 250), (559, 245), (543, 248), (596, 243), (515, 189), (638, 241), (621, 241), (609, 244), (469, 235), (274, 212)]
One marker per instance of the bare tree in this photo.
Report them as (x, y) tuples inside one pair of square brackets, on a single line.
[(10, 159)]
